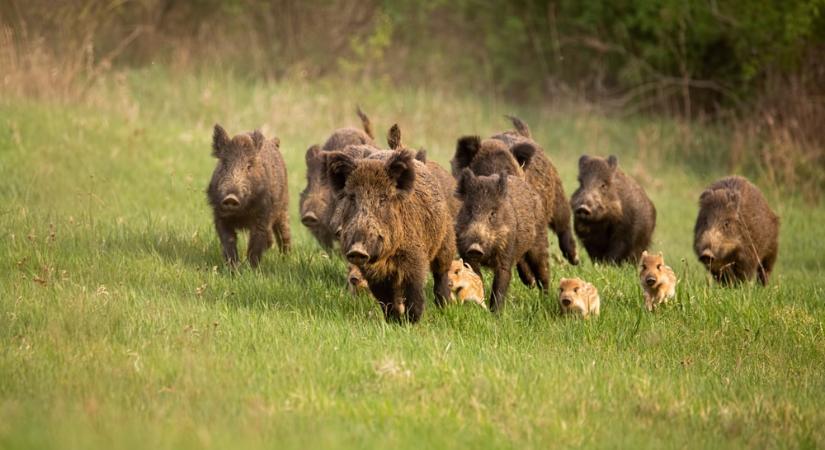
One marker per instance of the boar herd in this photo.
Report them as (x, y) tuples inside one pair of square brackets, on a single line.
[(395, 216)]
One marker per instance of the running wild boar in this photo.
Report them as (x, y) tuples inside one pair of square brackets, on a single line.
[(614, 218), (248, 191), (736, 234)]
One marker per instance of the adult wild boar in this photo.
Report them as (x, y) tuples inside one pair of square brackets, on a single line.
[(613, 216), (395, 225), (316, 203), (736, 234), (501, 221), (248, 191), (515, 153)]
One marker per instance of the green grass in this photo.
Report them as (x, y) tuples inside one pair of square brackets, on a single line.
[(119, 326)]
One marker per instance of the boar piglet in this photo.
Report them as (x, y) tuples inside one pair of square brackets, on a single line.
[(395, 224), (613, 216), (736, 234), (501, 221), (248, 191), (316, 204)]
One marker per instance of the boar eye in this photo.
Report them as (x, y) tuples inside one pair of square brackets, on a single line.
[(644, 267), (249, 165), (575, 289), (658, 267), (604, 186)]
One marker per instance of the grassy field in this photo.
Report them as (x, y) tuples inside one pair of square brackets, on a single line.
[(119, 327)]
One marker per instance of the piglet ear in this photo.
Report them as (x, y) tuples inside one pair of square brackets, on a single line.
[(394, 137), (465, 150), (401, 168), (257, 139), (339, 167), (644, 254), (523, 153), (612, 162), (220, 140)]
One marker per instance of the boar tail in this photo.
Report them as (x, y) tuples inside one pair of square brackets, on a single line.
[(365, 122), (520, 125)]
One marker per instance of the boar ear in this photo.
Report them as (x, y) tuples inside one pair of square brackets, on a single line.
[(421, 155), (733, 198), (339, 167), (220, 140), (501, 184), (523, 153), (400, 167), (312, 155), (705, 195), (582, 161), (394, 137), (612, 162), (465, 179), (465, 151), (257, 139)]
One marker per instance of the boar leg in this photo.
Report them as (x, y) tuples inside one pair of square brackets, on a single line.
[(617, 253), (260, 239), (766, 267), (414, 299), (384, 293), (524, 273), (439, 267), (229, 242), (282, 234), (501, 282), (538, 261)]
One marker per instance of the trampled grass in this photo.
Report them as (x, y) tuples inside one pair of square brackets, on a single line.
[(119, 326)]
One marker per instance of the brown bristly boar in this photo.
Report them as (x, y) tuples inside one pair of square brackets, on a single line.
[(501, 222), (395, 225), (577, 296), (248, 191), (356, 284), (316, 203), (736, 236), (519, 155), (614, 218), (657, 279), (465, 284)]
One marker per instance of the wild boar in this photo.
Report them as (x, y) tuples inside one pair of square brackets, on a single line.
[(516, 153), (316, 201), (614, 218), (736, 234), (248, 191), (658, 280), (395, 224), (501, 221)]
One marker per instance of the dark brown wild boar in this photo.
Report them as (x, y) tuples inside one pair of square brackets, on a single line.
[(614, 218), (316, 201), (395, 225), (501, 221), (736, 234), (248, 191), (516, 153)]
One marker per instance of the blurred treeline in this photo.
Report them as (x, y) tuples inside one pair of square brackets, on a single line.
[(755, 66), (687, 55)]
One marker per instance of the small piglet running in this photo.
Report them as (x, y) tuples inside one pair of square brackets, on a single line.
[(248, 191), (501, 222)]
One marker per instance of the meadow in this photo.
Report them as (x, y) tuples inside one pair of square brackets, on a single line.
[(121, 328)]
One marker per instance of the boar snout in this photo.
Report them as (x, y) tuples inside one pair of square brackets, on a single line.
[(650, 281), (231, 201), (353, 280), (475, 251), (357, 254), (583, 211), (309, 219), (706, 257), (566, 301)]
